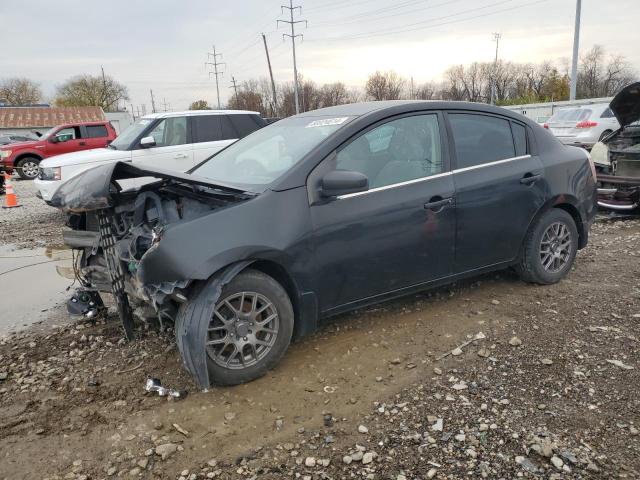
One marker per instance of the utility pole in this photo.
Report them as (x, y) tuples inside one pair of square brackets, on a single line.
[(293, 36), (217, 73), (165, 104), (494, 83), (576, 47), (153, 102), (273, 84), (235, 89), (104, 87), (133, 113)]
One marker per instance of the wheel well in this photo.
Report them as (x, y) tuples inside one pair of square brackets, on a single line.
[(280, 275), (25, 155), (573, 211)]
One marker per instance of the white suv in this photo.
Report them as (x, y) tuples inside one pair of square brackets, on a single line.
[(176, 141), (583, 126)]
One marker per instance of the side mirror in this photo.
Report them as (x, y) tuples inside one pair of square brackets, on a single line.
[(343, 182), (148, 142), (54, 139)]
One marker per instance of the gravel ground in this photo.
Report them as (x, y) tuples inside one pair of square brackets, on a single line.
[(490, 378), (34, 224)]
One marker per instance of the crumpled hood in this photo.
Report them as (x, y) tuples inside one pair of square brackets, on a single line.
[(626, 104), (91, 190), (86, 156)]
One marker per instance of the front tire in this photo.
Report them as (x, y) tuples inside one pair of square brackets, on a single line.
[(250, 328), (28, 167), (549, 248)]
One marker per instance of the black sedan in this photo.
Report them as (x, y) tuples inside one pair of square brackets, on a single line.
[(322, 213)]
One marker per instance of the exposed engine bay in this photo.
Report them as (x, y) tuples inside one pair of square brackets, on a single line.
[(618, 162), (617, 156), (116, 229)]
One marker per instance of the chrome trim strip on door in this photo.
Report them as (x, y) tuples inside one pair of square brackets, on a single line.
[(394, 185), (439, 175), (497, 162)]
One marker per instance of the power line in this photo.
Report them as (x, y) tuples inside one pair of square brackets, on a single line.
[(217, 73), (348, 21), (406, 30), (293, 36)]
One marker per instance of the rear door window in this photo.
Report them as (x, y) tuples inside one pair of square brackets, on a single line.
[(480, 139), (206, 128), (244, 124), (97, 131)]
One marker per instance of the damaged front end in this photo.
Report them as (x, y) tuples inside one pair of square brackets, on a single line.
[(617, 157), (116, 231)]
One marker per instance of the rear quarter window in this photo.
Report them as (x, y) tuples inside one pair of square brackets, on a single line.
[(519, 138)]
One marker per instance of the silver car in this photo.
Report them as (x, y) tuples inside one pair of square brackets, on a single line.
[(583, 126)]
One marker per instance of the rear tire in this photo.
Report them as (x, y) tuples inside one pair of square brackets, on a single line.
[(249, 328), (28, 167), (549, 248)]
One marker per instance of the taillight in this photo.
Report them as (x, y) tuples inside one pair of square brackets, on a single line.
[(586, 124), (546, 125)]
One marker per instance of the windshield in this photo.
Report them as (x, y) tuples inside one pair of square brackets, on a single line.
[(48, 133), (124, 140), (258, 159)]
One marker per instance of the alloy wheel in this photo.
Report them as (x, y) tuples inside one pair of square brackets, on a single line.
[(242, 330), (555, 247), (30, 169)]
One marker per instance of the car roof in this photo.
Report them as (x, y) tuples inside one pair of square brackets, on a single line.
[(193, 113), (399, 106)]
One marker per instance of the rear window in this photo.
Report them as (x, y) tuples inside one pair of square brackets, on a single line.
[(571, 115), (480, 139), (97, 131)]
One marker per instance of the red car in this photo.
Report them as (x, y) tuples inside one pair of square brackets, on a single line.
[(25, 156)]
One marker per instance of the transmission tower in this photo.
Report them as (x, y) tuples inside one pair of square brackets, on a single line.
[(292, 23)]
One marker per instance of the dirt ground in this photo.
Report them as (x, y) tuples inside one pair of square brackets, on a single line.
[(544, 385)]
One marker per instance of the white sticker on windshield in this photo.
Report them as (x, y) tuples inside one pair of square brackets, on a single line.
[(327, 121)]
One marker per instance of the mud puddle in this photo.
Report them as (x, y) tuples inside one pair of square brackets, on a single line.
[(31, 284)]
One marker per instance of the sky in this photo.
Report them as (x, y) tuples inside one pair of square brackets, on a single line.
[(163, 44)]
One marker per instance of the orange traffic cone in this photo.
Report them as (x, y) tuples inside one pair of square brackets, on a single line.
[(10, 200)]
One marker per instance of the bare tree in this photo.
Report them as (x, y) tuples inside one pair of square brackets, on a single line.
[(88, 90), (385, 85), (334, 94), (428, 91), (19, 91)]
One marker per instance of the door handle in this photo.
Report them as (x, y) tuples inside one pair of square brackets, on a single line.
[(82, 144), (180, 155), (437, 203), (530, 179)]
